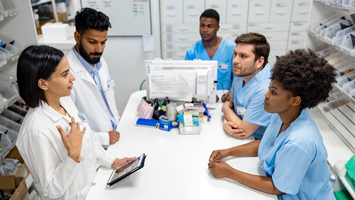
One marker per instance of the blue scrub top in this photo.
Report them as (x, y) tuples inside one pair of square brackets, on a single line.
[(224, 56), (251, 96), (296, 159)]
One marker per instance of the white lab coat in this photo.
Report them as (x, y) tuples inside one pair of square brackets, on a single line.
[(87, 98), (55, 174)]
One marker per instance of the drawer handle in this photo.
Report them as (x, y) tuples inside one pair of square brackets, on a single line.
[(281, 4), (297, 24), (251, 24), (194, 15), (294, 42), (268, 27), (268, 37), (294, 34), (237, 5), (303, 4), (183, 38), (214, 6), (183, 29), (303, 13), (183, 47), (225, 29), (181, 56), (280, 13), (259, 5), (237, 14), (258, 13), (172, 15)]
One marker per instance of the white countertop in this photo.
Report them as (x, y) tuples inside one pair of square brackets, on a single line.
[(176, 165)]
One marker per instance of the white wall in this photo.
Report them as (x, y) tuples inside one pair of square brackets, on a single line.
[(125, 59)]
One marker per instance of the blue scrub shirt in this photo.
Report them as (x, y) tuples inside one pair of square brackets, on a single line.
[(296, 159), (224, 56), (251, 96)]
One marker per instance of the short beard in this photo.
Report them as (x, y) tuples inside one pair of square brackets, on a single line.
[(86, 56), (242, 74)]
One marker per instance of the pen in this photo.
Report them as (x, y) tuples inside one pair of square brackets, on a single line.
[(206, 111)]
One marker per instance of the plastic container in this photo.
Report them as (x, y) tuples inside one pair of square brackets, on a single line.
[(12, 116), (10, 124), (334, 94), (352, 93), (348, 86), (12, 49), (4, 54), (17, 109), (189, 130), (342, 80), (10, 7), (8, 92), (12, 134), (339, 102)]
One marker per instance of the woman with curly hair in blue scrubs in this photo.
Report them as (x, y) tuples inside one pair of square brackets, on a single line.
[(292, 151)]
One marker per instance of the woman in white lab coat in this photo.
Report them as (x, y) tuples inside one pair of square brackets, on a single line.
[(54, 140)]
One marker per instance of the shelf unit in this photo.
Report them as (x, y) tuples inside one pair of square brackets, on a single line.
[(11, 28), (341, 119), (72, 7)]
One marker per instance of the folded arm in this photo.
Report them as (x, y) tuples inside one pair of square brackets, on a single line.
[(231, 116)]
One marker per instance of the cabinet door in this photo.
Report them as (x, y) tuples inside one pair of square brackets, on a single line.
[(233, 27), (171, 11), (220, 6), (280, 10), (181, 37), (259, 10), (300, 11), (193, 10), (180, 28), (268, 27), (237, 11), (177, 46), (274, 36)]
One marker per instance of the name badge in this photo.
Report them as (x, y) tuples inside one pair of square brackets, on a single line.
[(223, 66), (241, 110), (83, 117), (110, 83)]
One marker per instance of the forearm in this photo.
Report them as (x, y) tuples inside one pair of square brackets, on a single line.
[(62, 177), (246, 150), (104, 157), (230, 115), (261, 183)]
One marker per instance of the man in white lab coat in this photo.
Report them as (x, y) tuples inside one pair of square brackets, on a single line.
[(93, 92)]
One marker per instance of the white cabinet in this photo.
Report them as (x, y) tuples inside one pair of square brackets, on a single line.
[(283, 22), (220, 6), (259, 10), (280, 10), (300, 11), (193, 10), (237, 11), (171, 11)]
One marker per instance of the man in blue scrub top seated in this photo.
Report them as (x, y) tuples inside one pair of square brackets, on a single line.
[(291, 152), (244, 113), (212, 47)]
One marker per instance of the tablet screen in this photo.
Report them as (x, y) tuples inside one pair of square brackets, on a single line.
[(126, 169)]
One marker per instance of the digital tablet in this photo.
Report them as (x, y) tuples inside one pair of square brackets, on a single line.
[(126, 170)]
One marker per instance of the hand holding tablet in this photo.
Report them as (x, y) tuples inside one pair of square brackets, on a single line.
[(126, 170)]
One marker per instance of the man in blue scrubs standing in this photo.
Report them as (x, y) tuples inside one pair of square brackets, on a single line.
[(212, 47), (244, 113)]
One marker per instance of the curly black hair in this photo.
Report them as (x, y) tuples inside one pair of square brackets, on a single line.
[(88, 18), (304, 74)]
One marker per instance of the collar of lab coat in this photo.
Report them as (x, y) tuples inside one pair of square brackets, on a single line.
[(76, 66), (53, 114)]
